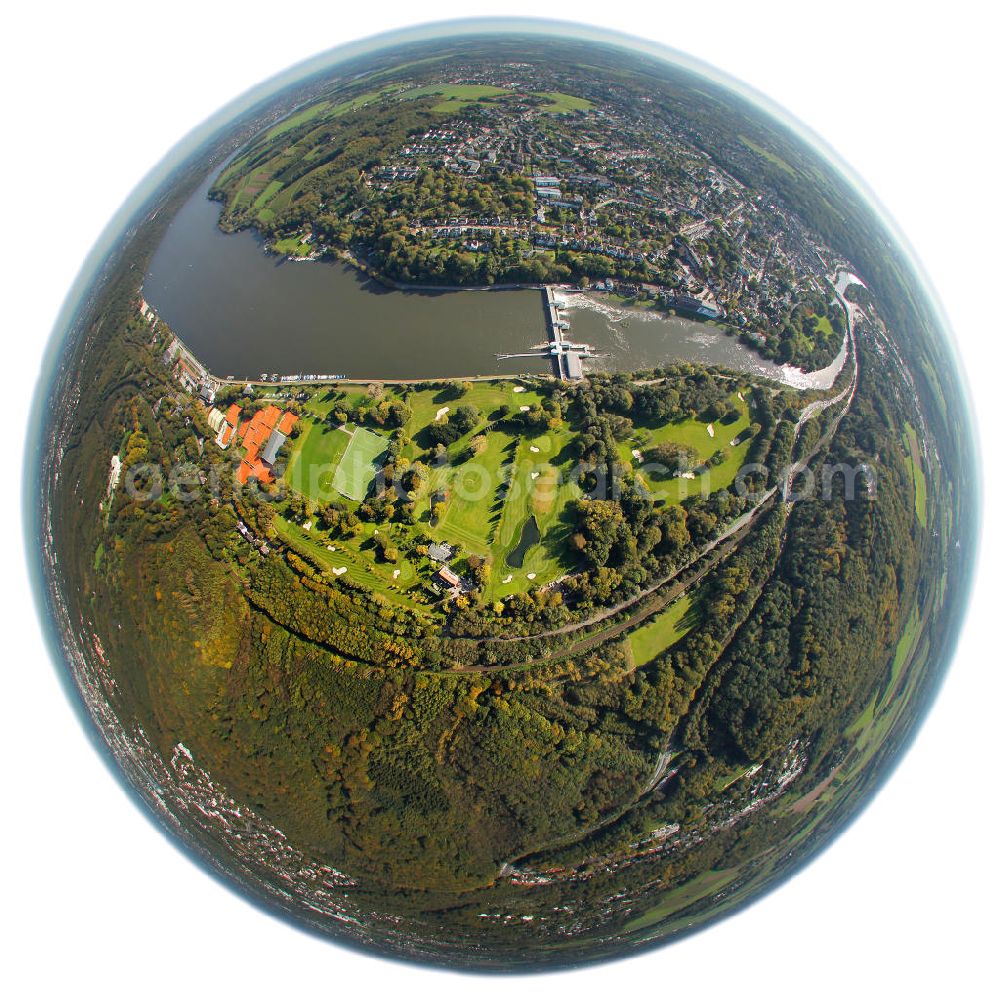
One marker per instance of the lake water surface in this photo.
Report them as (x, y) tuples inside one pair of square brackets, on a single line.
[(244, 312)]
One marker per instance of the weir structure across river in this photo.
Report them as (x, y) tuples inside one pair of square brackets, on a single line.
[(567, 356)]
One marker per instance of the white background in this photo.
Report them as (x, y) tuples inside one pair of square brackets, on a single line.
[(903, 904)]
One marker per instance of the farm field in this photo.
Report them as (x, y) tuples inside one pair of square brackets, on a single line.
[(873, 725), (885, 704), (691, 892), (259, 188), (903, 653), (298, 118)]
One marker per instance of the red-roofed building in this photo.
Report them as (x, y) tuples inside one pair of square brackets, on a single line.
[(227, 429), (254, 434), (260, 425), (244, 472)]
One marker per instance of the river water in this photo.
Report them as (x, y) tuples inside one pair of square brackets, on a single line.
[(630, 338), (244, 312)]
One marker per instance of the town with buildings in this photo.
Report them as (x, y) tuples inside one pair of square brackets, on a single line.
[(523, 183), (618, 187)]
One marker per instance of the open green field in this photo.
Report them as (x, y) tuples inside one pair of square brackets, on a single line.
[(559, 103), (485, 396), (330, 398), (398, 582), (884, 702), (299, 118), (824, 326), (470, 510), (540, 487), (681, 897), (694, 434), (508, 505), (269, 192), (454, 97), (323, 110), (357, 466), (259, 189), (478, 512), (395, 70), (327, 461), (663, 631), (772, 158), (874, 725), (293, 246), (253, 181), (314, 460), (359, 101), (917, 476), (903, 651)]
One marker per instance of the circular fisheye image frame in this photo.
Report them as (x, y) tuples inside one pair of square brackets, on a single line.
[(876, 289)]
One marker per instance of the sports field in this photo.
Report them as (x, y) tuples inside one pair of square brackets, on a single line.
[(357, 466), (315, 459)]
